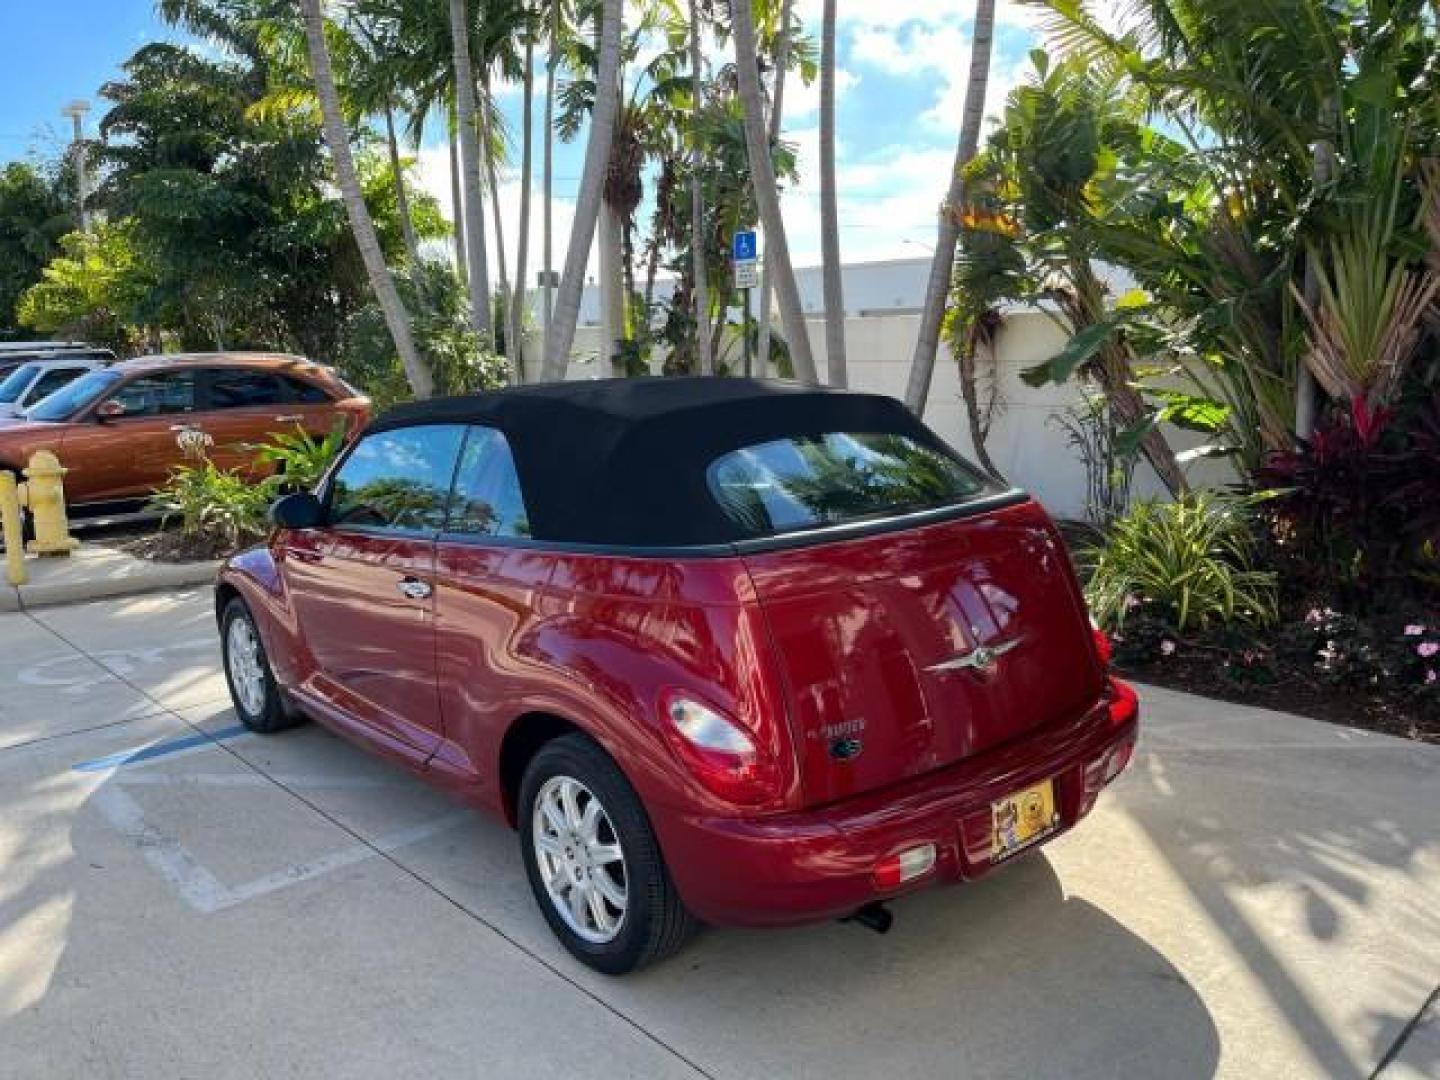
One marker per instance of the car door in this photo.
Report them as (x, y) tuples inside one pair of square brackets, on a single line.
[(244, 406), (363, 586), (126, 445), (486, 596)]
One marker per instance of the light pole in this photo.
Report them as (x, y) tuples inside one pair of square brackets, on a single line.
[(76, 110)]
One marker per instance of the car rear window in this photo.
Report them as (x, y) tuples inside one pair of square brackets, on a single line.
[(803, 482)]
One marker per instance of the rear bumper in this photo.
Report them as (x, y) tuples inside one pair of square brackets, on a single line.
[(804, 867)]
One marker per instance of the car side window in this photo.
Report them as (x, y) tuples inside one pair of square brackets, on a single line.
[(237, 388), (159, 394), (487, 499), (51, 381), (304, 392), (397, 480)]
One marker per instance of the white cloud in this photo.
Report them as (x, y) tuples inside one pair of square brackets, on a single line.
[(940, 50), (433, 173), (803, 102)]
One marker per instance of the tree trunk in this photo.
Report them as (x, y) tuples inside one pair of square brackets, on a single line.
[(1128, 407), (549, 212), (397, 319), (612, 292), (1307, 390), (699, 265), (979, 428), (767, 195), (402, 200), (488, 150), (457, 203), (479, 274), (831, 271), (522, 254), (777, 108), (942, 265), (592, 186)]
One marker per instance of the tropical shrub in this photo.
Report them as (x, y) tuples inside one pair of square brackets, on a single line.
[(300, 460), (440, 321), (1356, 518), (218, 511), (1189, 565)]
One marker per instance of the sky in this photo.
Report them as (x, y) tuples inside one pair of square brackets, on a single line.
[(902, 68)]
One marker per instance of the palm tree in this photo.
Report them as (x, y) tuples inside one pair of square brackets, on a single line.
[(777, 109), (474, 211), (767, 194), (551, 68), (829, 210), (457, 200), (397, 319), (522, 256), (942, 265), (592, 185), (697, 196)]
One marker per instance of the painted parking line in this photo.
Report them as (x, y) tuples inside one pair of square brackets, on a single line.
[(146, 753)]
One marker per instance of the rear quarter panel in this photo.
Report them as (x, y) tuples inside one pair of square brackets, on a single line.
[(596, 640)]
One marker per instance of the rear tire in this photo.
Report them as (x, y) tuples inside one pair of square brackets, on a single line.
[(597, 872), (253, 690)]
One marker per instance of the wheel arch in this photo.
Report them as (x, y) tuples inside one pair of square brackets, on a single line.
[(526, 736)]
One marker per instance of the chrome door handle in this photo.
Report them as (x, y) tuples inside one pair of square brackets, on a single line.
[(413, 588), (295, 419), (185, 427)]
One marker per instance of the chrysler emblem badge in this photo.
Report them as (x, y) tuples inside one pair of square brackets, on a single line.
[(983, 659)]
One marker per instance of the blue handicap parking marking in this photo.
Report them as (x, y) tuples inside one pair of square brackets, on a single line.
[(145, 753)]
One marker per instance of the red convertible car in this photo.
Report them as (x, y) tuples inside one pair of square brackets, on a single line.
[(723, 650)]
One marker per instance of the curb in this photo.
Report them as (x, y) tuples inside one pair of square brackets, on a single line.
[(147, 578)]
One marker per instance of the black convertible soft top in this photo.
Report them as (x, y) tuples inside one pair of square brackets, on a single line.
[(622, 462)]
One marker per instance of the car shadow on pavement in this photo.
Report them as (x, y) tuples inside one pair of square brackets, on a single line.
[(1007, 976)]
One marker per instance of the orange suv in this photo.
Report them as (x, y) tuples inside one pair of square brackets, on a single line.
[(117, 429)]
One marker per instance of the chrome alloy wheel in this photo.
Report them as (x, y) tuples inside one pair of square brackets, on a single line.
[(580, 859), (247, 672)]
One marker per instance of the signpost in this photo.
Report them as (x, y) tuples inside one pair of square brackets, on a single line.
[(745, 251)]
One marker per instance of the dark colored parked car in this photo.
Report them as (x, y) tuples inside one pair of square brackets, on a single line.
[(116, 429), (722, 650)]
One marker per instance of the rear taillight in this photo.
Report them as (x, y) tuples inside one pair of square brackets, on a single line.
[(903, 866), (1124, 703), (1103, 648), (719, 752)]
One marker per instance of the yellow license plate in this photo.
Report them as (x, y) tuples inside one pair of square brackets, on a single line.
[(1020, 819)]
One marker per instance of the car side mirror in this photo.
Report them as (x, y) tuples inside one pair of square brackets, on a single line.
[(301, 510), (109, 410)]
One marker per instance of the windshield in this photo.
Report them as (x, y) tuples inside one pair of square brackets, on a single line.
[(65, 403), (814, 480), (15, 384)]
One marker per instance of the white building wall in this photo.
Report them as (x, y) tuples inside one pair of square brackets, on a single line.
[(1026, 442)]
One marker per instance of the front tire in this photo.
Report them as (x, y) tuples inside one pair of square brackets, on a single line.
[(253, 690), (593, 861)]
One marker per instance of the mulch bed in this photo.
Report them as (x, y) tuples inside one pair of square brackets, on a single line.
[(146, 541), (1295, 692)]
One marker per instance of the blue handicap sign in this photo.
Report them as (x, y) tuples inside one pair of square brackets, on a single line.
[(745, 247)]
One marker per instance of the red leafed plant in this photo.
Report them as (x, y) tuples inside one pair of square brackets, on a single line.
[(1357, 513)]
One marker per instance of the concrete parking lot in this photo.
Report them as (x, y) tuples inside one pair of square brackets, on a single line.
[(1259, 896)]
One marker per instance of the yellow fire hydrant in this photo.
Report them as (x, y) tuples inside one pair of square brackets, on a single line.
[(43, 493)]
